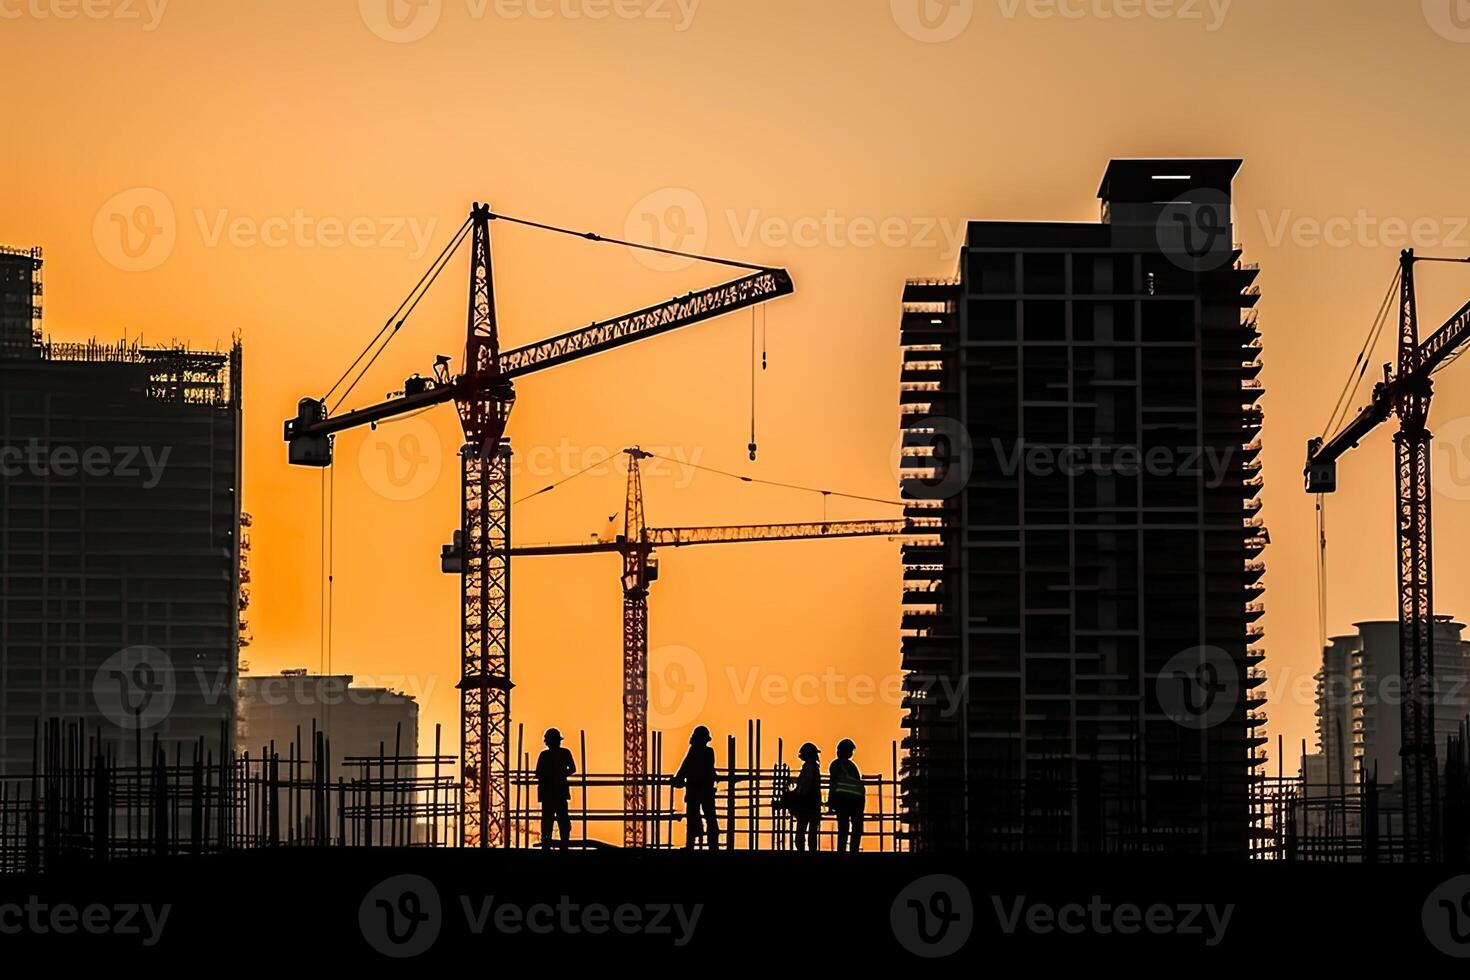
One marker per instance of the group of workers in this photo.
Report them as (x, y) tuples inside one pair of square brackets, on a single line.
[(696, 777)]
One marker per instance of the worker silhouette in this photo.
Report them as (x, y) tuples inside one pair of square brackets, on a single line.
[(846, 797), (696, 776), (553, 767), (806, 798)]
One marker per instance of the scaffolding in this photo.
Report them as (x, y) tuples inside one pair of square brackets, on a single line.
[(80, 805), (174, 372), (1359, 820)]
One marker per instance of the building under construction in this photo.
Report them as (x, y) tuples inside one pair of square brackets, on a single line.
[(120, 545), (1080, 405), (20, 302)]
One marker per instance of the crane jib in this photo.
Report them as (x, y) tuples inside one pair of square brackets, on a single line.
[(682, 311)]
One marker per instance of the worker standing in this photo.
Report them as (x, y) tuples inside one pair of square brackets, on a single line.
[(553, 768), (846, 797), (696, 776), (806, 798)]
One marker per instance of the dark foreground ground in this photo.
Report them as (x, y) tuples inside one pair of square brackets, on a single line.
[(753, 913)]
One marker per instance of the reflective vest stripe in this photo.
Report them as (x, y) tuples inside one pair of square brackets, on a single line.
[(844, 785)]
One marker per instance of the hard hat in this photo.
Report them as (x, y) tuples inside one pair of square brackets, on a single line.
[(700, 736), (846, 747), (552, 735), (808, 751)]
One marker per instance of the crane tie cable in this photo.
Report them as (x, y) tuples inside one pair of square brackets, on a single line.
[(594, 237), (395, 322), (399, 316), (1360, 366), (561, 482), (783, 486)]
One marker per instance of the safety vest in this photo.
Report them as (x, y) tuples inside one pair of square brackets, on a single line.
[(846, 784)]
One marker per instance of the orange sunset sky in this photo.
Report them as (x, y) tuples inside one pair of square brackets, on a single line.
[(284, 171)]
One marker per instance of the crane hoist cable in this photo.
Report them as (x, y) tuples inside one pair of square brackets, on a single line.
[(328, 566), (753, 447), (1322, 570), (757, 326)]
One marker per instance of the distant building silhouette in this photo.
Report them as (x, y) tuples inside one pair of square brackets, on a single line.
[(1370, 715), (1079, 409), (360, 720), (357, 722), (120, 520), (1335, 769)]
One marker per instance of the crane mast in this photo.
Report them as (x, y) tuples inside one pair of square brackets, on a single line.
[(1416, 583), (639, 571), (484, 404)]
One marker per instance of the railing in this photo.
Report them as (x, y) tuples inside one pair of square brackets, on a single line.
[(84, 806)]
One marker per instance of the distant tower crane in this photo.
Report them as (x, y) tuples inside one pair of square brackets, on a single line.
[(1407, 394), (484, 395), (637, 544)]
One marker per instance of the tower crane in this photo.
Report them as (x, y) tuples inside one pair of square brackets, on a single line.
[(1407, 393), (484, 394), (637, 545)]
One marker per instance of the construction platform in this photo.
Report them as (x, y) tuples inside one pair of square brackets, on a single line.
[(742, 911)]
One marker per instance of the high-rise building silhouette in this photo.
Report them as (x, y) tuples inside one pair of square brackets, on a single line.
[(1079, 405), (120, 547)]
